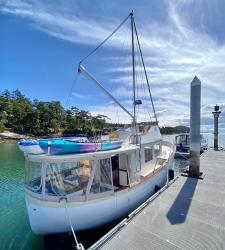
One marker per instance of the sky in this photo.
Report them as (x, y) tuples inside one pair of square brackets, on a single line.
[(42, 43)]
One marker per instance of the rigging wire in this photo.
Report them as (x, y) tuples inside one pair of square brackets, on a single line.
[(125, 55), (118, 63), (142, 81), (145, 73), (107, 38), (69, 94), (72, 89), (137, 48)]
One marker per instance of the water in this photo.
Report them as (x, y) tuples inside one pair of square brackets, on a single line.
[(15, 232), (14, 226)]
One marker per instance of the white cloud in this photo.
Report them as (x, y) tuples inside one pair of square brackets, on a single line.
[(60, 22)]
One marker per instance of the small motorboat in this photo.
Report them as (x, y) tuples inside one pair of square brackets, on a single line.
[(182, 142)]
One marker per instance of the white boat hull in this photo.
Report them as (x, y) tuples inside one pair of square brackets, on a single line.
[(182, 155), (50, 217)]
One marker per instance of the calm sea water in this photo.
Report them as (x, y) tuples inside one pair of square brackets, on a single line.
[(15, 232)]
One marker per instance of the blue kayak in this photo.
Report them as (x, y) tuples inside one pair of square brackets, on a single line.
[(70, 145)]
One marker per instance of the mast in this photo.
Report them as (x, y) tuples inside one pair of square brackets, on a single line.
[(135, 102), (133, 70)]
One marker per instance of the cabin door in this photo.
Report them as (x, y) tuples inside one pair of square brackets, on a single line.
[(123, 173), (119, 170), (115, 170)]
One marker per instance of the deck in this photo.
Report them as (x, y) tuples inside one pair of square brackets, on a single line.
[(190, 214)]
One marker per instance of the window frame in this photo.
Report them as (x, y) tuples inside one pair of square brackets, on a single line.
[(28, 168), (91, 195), (151, 154)]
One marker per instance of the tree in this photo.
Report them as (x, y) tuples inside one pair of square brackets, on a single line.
[(38, 117), (6, 94), (2, 127), (54, 125)]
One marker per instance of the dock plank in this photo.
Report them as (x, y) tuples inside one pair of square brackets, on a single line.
[(190, 214)]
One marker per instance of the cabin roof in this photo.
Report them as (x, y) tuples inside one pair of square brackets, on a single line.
[(91, 155), (183, 134)]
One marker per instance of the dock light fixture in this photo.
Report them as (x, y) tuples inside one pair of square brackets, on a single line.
[(216, 114)]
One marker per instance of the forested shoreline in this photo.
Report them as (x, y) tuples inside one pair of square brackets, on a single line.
[(34, 117)]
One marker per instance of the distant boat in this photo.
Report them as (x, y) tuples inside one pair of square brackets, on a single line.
[(99, 187), (182, 143)]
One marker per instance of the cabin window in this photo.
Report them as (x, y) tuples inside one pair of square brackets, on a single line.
[(68, 177), (124, 161), (157, 149), (33, 178), (188, 140), (102, 181), (148, 154), (141, 129), (181, 139)]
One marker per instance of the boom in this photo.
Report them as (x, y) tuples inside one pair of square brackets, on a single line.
[(86, 73)]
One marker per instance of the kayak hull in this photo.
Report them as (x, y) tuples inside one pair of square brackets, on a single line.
[(68, 147), (30, 147)]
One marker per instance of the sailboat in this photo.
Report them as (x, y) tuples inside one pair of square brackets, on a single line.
[(97, 188)]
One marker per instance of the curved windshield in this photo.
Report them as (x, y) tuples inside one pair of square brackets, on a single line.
[(68, 177), (33, 178)]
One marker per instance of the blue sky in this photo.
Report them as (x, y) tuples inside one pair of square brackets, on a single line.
[(43, 41)]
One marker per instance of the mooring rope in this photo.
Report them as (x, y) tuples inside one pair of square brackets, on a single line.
[(79, 246)]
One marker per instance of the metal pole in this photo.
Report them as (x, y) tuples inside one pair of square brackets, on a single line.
[(83, 70), (216, 114), (134, 90), (194, 164), (133, 67)]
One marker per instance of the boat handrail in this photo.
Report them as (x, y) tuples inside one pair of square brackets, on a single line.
[(164, 156)]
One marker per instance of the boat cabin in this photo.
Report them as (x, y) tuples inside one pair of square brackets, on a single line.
[(90, 175)]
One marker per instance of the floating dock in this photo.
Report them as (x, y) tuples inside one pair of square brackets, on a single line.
[(190, 214)]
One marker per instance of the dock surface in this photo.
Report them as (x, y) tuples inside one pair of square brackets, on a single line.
[(190, 214)]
